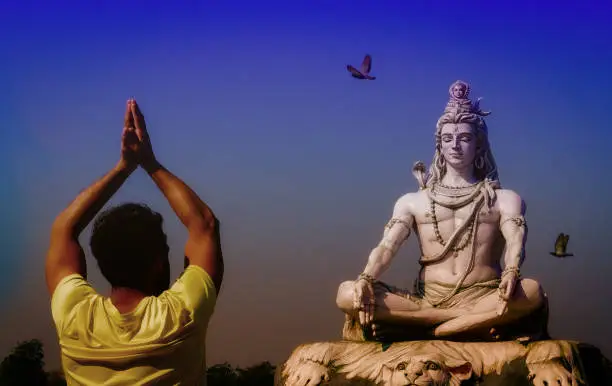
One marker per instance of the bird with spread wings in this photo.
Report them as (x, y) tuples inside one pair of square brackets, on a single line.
[(364, 73)]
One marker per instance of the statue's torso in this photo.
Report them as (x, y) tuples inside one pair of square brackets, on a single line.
[(488, 241)]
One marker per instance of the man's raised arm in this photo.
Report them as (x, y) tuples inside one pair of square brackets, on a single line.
[(203, 246), (65, 256)]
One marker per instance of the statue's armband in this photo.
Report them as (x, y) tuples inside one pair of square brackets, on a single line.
[(518, 222), (514, 229), (396, 232)]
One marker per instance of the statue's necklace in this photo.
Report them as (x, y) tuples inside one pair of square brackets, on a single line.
[(464, 240), (454, 191), (460, 196)]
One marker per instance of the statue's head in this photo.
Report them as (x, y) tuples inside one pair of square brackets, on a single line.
[(461, 139)]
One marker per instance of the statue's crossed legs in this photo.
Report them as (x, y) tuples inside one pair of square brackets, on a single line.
[(472, 313)]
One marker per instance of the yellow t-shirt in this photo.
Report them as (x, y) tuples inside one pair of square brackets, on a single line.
[(160, 342)]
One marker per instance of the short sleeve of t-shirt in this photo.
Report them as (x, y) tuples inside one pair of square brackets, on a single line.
[(70, 291), (196, 290)]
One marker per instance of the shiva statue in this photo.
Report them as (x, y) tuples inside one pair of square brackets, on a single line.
[(470, 318), (471, 234)]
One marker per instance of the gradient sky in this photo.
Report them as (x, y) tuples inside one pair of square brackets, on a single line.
[(250, 103)]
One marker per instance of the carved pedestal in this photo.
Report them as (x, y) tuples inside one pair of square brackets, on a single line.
[(441, 363)]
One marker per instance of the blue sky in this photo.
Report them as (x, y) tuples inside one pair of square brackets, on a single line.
[(251, 104)]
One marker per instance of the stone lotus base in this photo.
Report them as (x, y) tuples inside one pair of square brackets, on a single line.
[(441, 363)]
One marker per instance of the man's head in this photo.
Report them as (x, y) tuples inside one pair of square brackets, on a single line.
[(130, 245)]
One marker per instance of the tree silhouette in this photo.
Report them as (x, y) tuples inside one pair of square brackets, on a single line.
[(257, 375), (24, 365), (221, 375), (261, 374)]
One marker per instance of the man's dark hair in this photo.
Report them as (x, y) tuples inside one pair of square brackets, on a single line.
[(127, 240)]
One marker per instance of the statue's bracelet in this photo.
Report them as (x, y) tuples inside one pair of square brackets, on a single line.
[(366, 277), (515, 270)]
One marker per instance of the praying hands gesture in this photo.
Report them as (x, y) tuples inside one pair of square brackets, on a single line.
[(136, 146)]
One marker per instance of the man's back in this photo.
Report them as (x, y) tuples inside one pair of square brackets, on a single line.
[(135, 337), (161, 341)]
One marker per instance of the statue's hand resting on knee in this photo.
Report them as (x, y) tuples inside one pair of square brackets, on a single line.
[(364, 300), (506, 288)]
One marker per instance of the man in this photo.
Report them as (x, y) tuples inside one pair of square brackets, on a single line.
[(463, 221), (145, 332)]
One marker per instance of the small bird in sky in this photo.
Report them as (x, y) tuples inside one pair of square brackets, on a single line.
[(366, 66), (561, 246)]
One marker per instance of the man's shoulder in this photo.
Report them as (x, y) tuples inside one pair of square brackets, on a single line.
[(195, 289), (71, 293)]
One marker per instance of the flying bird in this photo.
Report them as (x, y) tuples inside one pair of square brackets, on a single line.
[(561, 246), (366, 66)]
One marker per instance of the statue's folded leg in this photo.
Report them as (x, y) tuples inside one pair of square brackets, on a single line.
[(384, 331), (396, 305), (528, 299), (531, 327), (390, 332), (396, 310)]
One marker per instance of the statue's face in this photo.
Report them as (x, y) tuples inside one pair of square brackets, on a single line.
[(458, 144), (459, 91)]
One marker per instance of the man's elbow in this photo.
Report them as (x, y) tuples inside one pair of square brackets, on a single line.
[(204, 225), (62, 227)]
